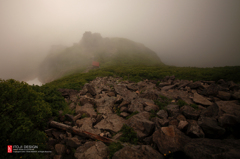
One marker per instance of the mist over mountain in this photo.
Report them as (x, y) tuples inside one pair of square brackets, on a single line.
[(182, 33), (93, 47)]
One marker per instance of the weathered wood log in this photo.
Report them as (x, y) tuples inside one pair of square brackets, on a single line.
[(79, 132)]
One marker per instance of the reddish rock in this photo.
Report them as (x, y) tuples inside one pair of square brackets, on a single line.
[(170, 139)]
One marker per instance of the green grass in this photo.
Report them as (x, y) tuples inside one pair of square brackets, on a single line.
[(139, 72), (181, 103), (152, 114), (134, 113), (162, 102), (114, 147), (129, 135), (195, 106), (83, 116)]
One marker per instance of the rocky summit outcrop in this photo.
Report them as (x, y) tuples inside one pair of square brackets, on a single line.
[(205, 125)]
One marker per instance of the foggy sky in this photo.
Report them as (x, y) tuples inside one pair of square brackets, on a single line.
[(201, 33)]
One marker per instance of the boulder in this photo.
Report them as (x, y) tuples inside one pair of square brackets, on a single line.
[(212, 90), (123, 109), (149, 95), (105, 105), (182, 125), (165, 88), (84, 99), (112, 123), (150, 106), (137, 152), (211, 111), (229, 107), (86, 124), (213, 148), (201, 100), (189, 112), (91, 89), (124, 114), (170, 139), (132, 87), (124, 103), (195, 85), (124, 92), (156, 122), (111, 94), (163, 122), (210, 127), (224, 95), (73, 142), (173, 110), (229, 120), (136, 105), (118, 100), (86, 109), (194, 130), (141, 124), (92, 150), (233, 86), (162, 114), (162, 84), (180, 117), (236, 95), (72, 106), (60, 149), (183, 83)]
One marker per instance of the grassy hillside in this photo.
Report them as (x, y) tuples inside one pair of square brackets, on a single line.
[(139, 72)]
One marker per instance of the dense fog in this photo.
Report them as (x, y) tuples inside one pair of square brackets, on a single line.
[(199, 33)]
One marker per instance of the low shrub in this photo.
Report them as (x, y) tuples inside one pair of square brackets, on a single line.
[(114, 147), (129, 135), (134, 113), (181, 102)]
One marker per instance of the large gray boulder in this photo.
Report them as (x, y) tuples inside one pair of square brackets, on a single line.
[(194, 130), (141, 124), (224, 95), (124, 92), (137, 152), (105, 105), (189, 112), (92, 150), (112, 123), (136, 105), (91, 89), (86, 109), (73, 142), (86, 124), (162, 114), (201, 100), (229, 114)]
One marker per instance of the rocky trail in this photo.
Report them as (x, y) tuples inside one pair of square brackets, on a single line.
[(187, 119)]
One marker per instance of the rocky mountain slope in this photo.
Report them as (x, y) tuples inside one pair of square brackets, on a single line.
[(171, 118), (93, 47)]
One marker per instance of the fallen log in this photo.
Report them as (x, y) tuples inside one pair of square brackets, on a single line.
[(79, 132)]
